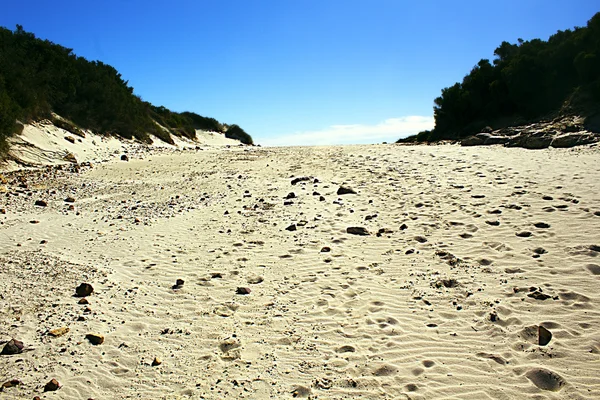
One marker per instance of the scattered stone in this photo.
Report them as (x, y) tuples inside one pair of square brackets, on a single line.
[(291, 195), (523, 234), (41, 203), (384, 231), (255, 279), (357, 230), (291, 228), (58, 331), (70, 139), (321, 198), (13, 346), (52, 386), (70, 199), (421, 239), (95, 338), (325, 249), (84, 290), (34, 221), (447, 283), (538, 295), (70, 157), (493, 223), (9, 384), (544, 336), (83, 301), (541, 225), (302, 179), (243, 290), (345, 349), (124, 157), (403, 227), (178, 284), (156, 362), (345, 190)]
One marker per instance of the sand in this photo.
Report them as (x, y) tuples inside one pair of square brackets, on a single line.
[(470, 252)]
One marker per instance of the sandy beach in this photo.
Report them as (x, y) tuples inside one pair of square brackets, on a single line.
[(475, 277)]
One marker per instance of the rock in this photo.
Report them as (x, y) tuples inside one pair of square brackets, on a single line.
[(541, 225), (300, 179), (421, 239), (471, 141), (243, 290), (70, 199), (538, 295), (403, 227), (95, 338), (574, 139), (84, 290), (447, 283), (9, 384), (345, 190), (156, 362), (83, 301), (532, 141), (41, 203), (544, 336), (52, 386), (321, 198), (58, 331), (13, 346), (357, 230), (178, 284), (254, 279), (70, 139), (325, 249), (523, 234), (124, 157), (70, 157), (291, 195), (291, 228)]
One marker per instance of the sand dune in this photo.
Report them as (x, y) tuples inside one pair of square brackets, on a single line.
[(470, 251)]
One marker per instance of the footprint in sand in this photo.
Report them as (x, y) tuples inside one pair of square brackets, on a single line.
[(545, 379)]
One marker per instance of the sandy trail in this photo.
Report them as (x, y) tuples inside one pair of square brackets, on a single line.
[(445, 302)]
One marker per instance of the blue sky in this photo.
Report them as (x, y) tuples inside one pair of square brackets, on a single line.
[(296, 72)]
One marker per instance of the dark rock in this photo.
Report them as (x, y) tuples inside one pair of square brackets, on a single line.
[(523, 234), (95, 338), (532, 141), (70, 199), (574, 139), (9, 384), (291, 228), (321, 198), (472, 141), (301, 179), (13, 346), (447, 283), (243, 290), (83, 301), (41, 203), (156, 362), (291, 195), (421, 239), (403, 227), (124, 157), (357, 230), (178, 284), (538, 295), (493, 223), (345, 190), (52, 386), (541, 225), (325, 249), (544, 336), (84, 290), (70, 139)]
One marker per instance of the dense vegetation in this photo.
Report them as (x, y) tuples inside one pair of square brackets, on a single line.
[(525, 82), (38, 77)]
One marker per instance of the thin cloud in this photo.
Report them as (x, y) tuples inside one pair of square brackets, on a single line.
[(389, 130)]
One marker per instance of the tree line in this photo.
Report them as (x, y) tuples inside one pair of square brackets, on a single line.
[(38, 77), (526, 81)]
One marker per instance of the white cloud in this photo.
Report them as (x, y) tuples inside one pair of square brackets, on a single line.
[(389, 131)]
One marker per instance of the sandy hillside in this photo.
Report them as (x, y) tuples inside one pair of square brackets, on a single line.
[(473, 257)]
